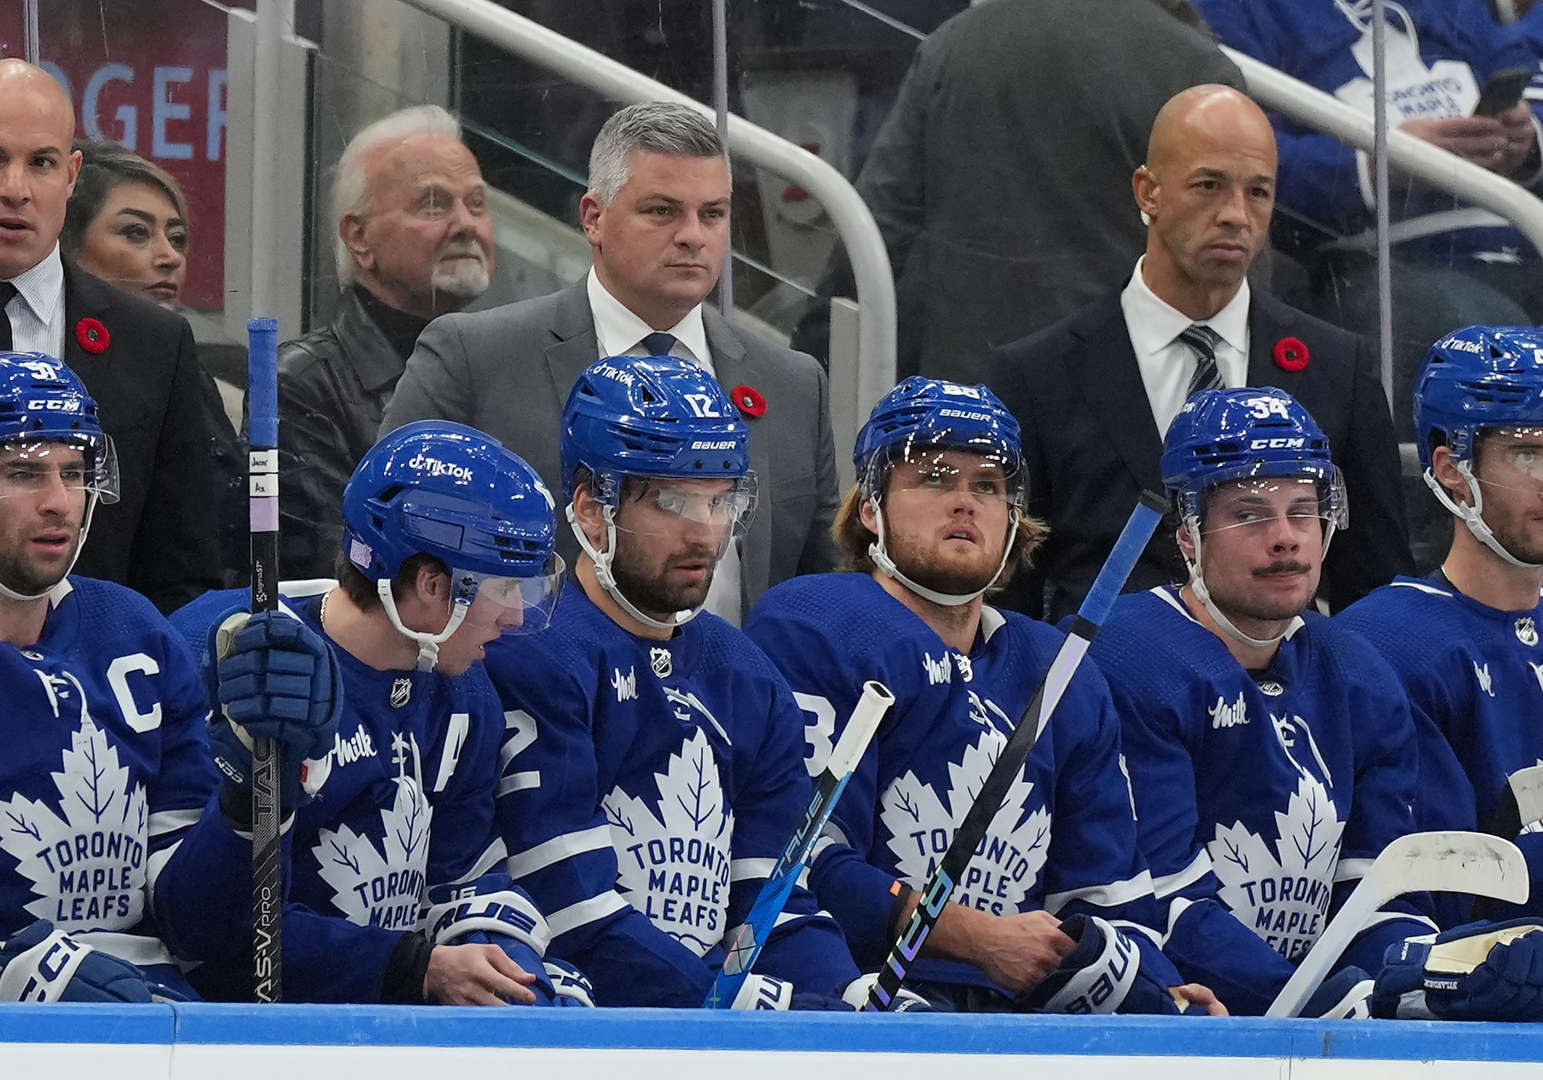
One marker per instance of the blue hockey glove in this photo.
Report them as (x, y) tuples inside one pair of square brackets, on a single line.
[(275, 678), (492, 910), (1102, 974), (1481, 971), (1345, 995), (857, 991), (44, 964), (570, 985)]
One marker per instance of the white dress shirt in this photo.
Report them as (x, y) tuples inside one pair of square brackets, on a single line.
[(36, 312), (619, 332), (1167, 364)]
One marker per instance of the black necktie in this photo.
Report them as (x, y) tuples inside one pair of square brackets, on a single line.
[(658, 343), (7, 293), (1203, 340)]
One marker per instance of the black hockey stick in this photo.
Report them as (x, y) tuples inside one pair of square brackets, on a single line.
[(1111, 579), (263, 508), (744, 942)]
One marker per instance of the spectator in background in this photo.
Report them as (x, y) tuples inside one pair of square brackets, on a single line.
[(414, 240), (127, 223), (1000, 180), (136, 360), (1093, 391)]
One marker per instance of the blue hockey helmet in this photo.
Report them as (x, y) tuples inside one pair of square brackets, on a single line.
[(1474, 378), (1222, 436), (923, 414), (42, 400), (443, 489)]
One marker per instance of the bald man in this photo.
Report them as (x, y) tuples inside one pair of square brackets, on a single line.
[(135, 358), (1096, 391)]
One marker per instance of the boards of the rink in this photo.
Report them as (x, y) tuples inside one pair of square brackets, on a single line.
[(297, 1042)]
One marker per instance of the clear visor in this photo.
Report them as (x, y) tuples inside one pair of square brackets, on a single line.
[(989, 472), (1511, 457), (88, 465), (1302, 502), (721, 509), (519, 605)]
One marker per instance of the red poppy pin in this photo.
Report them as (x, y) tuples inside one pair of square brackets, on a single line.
[(750, 400), (92, 336), (1290, 354)]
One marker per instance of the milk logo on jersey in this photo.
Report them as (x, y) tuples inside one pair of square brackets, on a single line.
[(1527, 631), (937, 669), (626, 686), (1281, 889), (401, 692), (661, 661), (85, 855), (672, 855), (1226, 714), (1486, 681), (1008, 860), (966, 669), (356, 747), (376, 873)]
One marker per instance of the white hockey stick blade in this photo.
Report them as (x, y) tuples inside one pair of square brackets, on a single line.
[(1461, 862)]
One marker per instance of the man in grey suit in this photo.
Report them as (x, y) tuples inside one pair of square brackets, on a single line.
[(657, 216)]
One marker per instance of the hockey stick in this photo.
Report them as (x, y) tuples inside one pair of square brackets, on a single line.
[(1521, 803), (1461, 862), (263, 510), (745, 941), (1111, 579)]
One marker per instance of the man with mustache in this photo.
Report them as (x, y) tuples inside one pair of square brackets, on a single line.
[(1095, 391), (653, 767), (1271, 751), (414, 240)]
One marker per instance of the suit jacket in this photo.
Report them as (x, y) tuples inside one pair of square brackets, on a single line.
[(508, 370), (161, 537), (1091, 445)]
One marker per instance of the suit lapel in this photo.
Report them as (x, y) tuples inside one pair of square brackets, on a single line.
[(82, 301), (1102, 363), (573, 345), (735, 366)]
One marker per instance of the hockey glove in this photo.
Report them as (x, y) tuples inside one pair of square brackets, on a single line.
[(1481, 971), (491, 910), (275, 678), (1102, 974), (857, 991), (1345, 995), (44, 964), (570, 985)]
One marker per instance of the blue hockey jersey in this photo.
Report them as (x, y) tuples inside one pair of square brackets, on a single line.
[(1262, 797), (648, 788), (1440, 54), (407, 805), (1474, 679), (1063, 840), (106, 777)]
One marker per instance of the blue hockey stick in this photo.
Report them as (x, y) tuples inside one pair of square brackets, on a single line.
[(1111, 579), (745, 941)]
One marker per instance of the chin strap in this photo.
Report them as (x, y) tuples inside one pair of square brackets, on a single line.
[(80, 545), (428, 644), (1197, 585), (607, 580), (1472, 515), (881, 559)]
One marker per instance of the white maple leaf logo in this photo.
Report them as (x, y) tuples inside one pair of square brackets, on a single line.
[(1283, 895), (87, 867), (1008, 860), (380, 885), (674, 866)]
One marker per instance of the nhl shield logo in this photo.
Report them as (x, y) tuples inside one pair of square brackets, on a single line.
[(401, 692), (1527, 631), (660, 660), (1271, 688)]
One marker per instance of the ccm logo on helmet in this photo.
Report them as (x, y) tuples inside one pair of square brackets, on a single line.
[(1279, 443), (54, 405), (435, 467)]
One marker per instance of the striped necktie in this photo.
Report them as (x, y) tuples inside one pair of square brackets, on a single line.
[(1203, 340)]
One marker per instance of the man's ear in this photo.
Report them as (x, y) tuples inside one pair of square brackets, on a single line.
[(1144, 186), (1186, 541), (590, 514), (1444, 467), (867, 515), (351, 230), (432, 584), (590, 209)]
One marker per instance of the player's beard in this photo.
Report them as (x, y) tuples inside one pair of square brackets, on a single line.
[(1518, 534), (954, 578), (25, 576), (650, 593)]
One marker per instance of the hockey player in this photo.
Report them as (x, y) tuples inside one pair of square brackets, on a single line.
[(106, 853), (653, 765), (1271, 752), (1464, 641), (1056, 891), (448, 544)]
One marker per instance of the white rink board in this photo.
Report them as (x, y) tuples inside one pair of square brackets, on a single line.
[(293, 1042)]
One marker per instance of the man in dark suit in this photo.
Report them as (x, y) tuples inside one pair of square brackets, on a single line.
[(1096, 390), (136, 359), (657, 218)]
